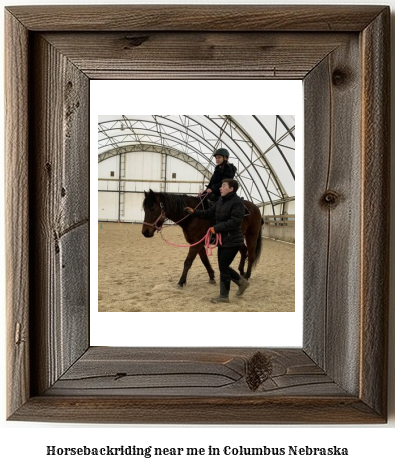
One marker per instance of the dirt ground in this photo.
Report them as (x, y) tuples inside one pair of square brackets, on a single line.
[(138, 274)]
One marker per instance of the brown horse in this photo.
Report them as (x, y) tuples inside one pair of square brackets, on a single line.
[(161, 206)]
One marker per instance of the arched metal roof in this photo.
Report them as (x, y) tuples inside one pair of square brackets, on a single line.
[(261, 147)]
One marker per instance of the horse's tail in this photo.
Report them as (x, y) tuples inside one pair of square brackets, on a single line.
[(258, 248)]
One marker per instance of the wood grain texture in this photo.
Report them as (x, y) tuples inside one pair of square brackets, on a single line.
[(122, 385), (317, 151), (198, 410), (17, 213), (339, 376), (188, 372), (333, 156), (202, 55), (60, 213), (196, 18), (376, 211)]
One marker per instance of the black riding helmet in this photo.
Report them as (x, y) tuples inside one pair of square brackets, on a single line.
[(223, 152)]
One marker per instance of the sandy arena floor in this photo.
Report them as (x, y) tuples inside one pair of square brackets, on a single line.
[(138, 274)]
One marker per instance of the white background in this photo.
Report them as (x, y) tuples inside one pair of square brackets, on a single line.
[(236, 97), (24, 444)]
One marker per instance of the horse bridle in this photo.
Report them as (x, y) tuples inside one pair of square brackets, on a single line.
[(162, 216)]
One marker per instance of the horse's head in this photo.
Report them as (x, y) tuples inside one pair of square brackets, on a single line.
[(154, 214)]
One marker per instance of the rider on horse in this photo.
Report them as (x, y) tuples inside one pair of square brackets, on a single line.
[(223, 170)]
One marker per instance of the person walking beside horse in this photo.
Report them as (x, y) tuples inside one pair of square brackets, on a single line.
[(228, 213)]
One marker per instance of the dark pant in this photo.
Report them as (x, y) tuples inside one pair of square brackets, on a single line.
[(212, 197), (225, 258), (211, 200)]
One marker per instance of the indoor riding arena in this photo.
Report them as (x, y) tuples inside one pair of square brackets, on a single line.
[(174, 155)]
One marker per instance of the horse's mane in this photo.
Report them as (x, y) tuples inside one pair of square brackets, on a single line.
[(171, 201)]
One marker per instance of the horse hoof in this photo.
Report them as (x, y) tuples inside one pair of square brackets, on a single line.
[(180, 286), (212, 281)]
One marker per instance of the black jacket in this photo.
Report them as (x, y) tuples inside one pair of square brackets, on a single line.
[(221, 172), (228, 213)]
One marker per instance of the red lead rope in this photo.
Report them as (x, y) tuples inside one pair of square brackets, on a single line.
[(206, 238)]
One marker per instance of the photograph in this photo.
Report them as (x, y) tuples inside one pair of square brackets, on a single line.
[(193, 210)]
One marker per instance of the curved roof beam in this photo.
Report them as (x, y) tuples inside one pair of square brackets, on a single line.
[(248, 159), (158, 149), (198, 139), (275, 142), (169, 138), (214, 146), (272, 174), (192, 139)]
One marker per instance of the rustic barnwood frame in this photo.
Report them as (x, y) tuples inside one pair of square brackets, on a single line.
[(340, 374)]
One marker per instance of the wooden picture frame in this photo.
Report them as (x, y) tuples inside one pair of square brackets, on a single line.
[(340, 374)]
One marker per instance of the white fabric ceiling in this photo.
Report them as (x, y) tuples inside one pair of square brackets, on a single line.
[(261, 147)]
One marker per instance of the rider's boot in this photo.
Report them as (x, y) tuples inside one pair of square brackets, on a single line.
[(224, 289)]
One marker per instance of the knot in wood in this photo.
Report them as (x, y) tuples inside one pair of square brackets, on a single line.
[(259, 369), (330, 199), (133, 41), (339, 77)]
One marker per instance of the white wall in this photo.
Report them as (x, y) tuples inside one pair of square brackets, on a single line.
[(143, 170)]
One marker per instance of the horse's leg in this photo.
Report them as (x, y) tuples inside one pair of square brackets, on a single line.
[(243, 252), (193, 251), (251, 246), (207, 265)]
